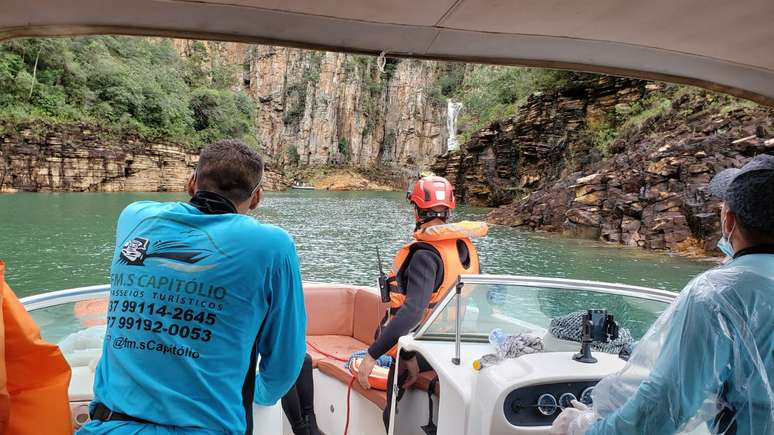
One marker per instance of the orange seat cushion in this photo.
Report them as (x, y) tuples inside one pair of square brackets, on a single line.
[(337, 345), (336, 370)]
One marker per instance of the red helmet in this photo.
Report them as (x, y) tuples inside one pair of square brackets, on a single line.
[(432, 191)]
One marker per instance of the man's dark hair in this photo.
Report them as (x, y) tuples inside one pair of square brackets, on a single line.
[(752, 234), (230, 168), (752, 200)]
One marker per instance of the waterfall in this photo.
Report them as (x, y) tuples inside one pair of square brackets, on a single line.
[(452, 110)]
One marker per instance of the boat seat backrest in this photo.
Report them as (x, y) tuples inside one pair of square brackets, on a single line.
[(369, 310), (329, 309), (340, 310)]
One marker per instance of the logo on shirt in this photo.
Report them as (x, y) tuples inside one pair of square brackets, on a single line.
[(175, 255), (133, 252)]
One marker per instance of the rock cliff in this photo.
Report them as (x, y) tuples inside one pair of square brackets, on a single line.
[(321, 108), (318, 108), (546, 138), (640, 180), (313, 109), (80, 158)]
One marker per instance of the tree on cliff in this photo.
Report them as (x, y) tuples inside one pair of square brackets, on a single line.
[(125, 84)]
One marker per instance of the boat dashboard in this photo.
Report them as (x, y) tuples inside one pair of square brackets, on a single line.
[(517, 396), (521, 394), (538, 405)]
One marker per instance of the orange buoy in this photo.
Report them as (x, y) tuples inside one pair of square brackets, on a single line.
[(378, 378), (91, 312)]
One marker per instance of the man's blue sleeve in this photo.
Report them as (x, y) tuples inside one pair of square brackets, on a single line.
[(692, 366), (282, 338)]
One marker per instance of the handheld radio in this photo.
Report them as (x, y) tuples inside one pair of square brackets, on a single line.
[(383, 282)]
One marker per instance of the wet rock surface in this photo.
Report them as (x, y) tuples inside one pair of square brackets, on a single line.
[(79, 158), (651, 192)]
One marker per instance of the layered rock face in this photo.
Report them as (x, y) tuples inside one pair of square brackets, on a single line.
[(547, 138), (313, 109), (318, 108), (654, 192), (79, 158)]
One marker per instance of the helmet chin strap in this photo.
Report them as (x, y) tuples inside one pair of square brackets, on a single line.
[(426, 215)]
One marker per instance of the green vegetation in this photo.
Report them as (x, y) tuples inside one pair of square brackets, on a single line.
[(448, 84), (387, 147), (293, 157), (627, 119), (643, 111), (295, 93), (374, 84), (295, 101), (344, 148), (125, 85), (602, 135), (491, 93)]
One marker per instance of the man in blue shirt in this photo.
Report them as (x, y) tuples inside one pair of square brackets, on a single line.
[(709, 359), (199, 291)]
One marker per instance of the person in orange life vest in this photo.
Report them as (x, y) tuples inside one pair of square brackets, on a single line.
[(423, 273), (34, 375)]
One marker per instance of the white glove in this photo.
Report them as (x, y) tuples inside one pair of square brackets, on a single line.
[(573, 421)]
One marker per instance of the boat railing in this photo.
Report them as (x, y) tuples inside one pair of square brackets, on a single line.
[(59, 297)]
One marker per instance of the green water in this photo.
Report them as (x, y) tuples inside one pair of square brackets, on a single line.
[(54, 241)]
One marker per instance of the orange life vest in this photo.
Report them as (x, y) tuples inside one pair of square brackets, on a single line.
[(34, 375), (443, 240)]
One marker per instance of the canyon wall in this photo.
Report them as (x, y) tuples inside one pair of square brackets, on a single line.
[(318, 108), (80, 158), (618, 160), (313, 109), (321, 108)]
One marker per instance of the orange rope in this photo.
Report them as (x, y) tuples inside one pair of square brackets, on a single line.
[(316, 349), (349, 395), (349, 387)]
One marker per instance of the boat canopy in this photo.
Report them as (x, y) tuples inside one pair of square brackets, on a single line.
[(721, 45)]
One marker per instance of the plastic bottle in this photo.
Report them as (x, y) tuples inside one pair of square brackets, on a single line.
[(497, 337)]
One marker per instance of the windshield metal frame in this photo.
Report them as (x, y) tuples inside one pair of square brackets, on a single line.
[(549, 283)]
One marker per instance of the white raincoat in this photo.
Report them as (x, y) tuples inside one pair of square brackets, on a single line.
[(708, 359)]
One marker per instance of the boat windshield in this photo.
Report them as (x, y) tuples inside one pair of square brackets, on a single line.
[(548, 308)]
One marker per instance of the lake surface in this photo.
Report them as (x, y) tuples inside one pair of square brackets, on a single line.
[(54, 241)]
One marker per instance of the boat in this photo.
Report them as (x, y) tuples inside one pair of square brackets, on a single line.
[(302, 187), (497, 399), (695, 42)]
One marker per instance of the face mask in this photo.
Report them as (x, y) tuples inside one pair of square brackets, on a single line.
[(724, 245)]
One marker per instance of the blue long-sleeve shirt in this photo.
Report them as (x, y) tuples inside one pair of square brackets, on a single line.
[(718, 349), (195, 299)]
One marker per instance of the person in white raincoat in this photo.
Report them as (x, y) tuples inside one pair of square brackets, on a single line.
[(709, 358)]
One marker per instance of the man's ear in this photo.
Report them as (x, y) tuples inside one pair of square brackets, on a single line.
[(729, 220), (256, 199), (190, 185)]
